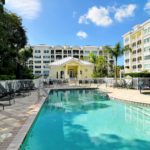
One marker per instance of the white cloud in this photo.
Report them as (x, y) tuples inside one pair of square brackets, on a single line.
[(147, 7), (28, 9), (99, 16), (82, 34), (125, 11)]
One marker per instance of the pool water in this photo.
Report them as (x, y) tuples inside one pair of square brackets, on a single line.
[(88, 120)]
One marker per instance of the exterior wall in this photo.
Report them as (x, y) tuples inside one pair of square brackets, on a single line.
[(139, 40), (83, 72), (44, 54)]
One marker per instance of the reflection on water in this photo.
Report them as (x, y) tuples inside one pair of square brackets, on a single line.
[(77, 100), (140, 115)]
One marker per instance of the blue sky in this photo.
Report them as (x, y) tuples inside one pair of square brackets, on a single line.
[(79, 22)]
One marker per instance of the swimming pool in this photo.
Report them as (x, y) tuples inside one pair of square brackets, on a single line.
[(88, 120)]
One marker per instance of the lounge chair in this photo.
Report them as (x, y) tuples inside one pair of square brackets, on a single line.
[(6, 94), (23, 87), (143, 87)]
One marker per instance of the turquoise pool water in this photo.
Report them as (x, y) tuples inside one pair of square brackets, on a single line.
[(88, 120)]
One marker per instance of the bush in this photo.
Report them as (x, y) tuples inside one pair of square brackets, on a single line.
[(139, 74), (26, 73), (7, 77)]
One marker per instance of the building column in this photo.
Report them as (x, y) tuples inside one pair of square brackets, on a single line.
[(66, 72), (78, 70)]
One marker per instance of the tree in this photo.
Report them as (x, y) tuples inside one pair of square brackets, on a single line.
[(24, 55), (116, 52), (2, 2), (101, 67), (93, 59), (12, 39)]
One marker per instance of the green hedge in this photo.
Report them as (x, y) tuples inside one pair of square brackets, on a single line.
[(7, 77), (140, 74)]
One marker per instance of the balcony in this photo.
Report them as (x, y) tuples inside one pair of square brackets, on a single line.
[(59, 52)]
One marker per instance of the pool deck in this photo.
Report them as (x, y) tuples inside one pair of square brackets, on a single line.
[(16, 119), (129, 95)]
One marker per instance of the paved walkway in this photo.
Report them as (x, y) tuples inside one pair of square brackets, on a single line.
[(14, 116), (126, 94)]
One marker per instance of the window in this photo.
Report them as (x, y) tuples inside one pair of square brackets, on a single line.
[(75, 51), (139, 58), (69, 51), (139, 42), (134, 44), (147, 31), (38, 72), (46, 72), (45, 66), (147, 49), (37, 62), (46, 51), (65, 51), (140, 66), (37, 66), (134, 59), (134, 67), (126, 40), (37, 51), (61, 74), (46, 62), (134, 52), (127, 60), (37, 56), (46, 56), (146, 66), (147, 57), (31, 67), (52, 51), (147, 40), (57, 75), (139, 50)]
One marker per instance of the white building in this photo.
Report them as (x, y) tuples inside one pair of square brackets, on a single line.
[(43, 55), (138, 39)]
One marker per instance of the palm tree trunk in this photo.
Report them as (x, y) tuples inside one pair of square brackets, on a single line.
[(116, 70)]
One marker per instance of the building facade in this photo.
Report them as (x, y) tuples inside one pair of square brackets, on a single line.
[(71, 68), (138, 39), (43, 55)]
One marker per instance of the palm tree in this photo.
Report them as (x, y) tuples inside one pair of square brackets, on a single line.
[(116, 52), (93, 59)]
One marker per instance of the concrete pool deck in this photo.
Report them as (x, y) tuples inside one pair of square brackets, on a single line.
[(130, 95), (14, 118)]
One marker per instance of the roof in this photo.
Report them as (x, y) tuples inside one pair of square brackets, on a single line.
[(69, 59)]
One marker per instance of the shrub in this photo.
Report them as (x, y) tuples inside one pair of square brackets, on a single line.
[(139, 74), (7, 77)]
